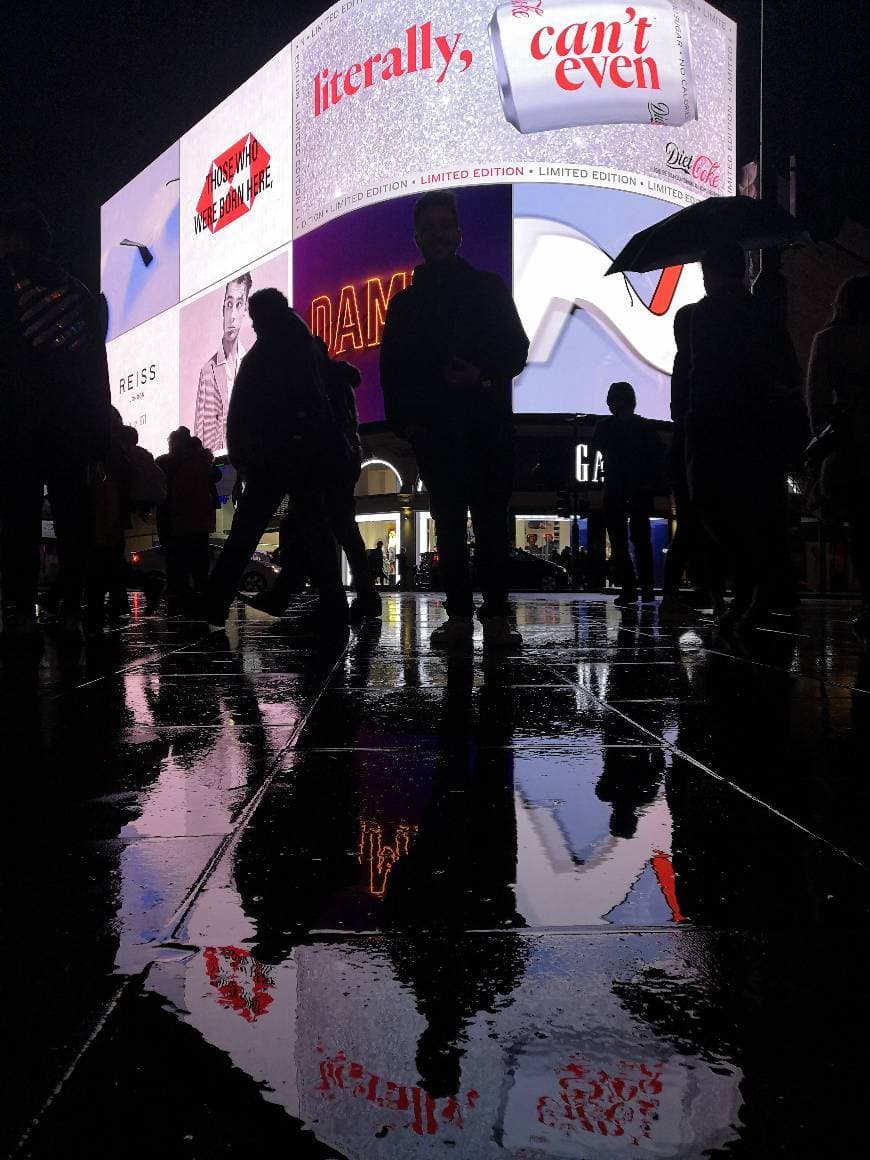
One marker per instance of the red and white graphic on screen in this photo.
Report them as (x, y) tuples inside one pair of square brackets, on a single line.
[(617, 64), (236, 178)]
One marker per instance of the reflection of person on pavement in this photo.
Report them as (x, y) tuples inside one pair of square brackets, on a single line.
[(218, 376), (458, 877)]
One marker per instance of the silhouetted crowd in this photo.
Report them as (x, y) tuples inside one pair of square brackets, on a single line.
[(743, 426)]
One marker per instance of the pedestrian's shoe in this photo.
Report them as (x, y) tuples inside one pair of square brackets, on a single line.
[(331, 613), (497, 633), (152, 589), (214, 615), (648, 596), (455, 632), (672, 608), (20, 629), (626, 598), (861, 628), (365, 606), (265, 603)]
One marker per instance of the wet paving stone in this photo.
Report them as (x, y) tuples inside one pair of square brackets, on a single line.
[(601, 898)]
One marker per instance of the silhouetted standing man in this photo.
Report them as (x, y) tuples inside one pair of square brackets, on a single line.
[(631, 450), (452, 343)]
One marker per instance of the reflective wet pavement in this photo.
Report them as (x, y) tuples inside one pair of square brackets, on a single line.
[(602, 898)]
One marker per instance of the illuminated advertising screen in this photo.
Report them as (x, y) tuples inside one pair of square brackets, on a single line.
[(236, 179), (392, 98), (139, 263), (215, 334), (564, 125), (143, 373), (345, 273)]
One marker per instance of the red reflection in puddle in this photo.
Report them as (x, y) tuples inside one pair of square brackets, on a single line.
[(622, 1104), (426, 1114), (242, 983)]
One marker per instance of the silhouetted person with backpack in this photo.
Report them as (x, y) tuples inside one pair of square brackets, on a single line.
[(452, 343), (632, 455), (340, 380), (54, 417), (282, 440)]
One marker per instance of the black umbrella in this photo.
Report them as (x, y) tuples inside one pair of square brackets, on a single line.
[(686, 235)]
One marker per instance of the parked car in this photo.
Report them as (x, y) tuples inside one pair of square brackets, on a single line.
[(258, 577), (525, 572)]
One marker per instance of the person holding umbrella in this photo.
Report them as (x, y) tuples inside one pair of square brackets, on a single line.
[(742, 368), (737, 380)]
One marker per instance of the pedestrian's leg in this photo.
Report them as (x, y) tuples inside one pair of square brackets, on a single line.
[(491, 474), (21, 519), (616, 522), (69, 496), (641, 538), (489, 516), (198, 556), (341, 507), (450, 513), (256, 505), (323, 556)]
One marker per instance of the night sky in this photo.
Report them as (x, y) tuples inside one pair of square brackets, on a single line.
[(95, 92)]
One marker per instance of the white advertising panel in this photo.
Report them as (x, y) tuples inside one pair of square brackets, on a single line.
[(394, 98), (215, 334), (143, 372), (235, 179), (139, 245)]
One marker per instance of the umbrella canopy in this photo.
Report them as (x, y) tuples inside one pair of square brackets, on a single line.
[(686, 235)]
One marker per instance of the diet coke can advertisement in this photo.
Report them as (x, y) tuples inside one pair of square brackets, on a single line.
[(593, 62)]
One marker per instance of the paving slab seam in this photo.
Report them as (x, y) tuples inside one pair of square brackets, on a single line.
[(175, 922), (663, 742), (100, 1022), (115, 672), (710, 650), (171, 929)]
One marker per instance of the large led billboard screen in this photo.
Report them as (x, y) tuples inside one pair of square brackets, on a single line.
[(564, 125)]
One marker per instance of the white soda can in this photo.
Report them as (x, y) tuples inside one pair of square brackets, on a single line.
[(562, 63)]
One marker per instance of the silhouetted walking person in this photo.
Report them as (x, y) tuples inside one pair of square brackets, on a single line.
[(341, 381), (452, 343), (838, 393), (632, 456), (281, 439)]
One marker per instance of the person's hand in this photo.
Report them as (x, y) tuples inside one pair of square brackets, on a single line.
[(461, 371)]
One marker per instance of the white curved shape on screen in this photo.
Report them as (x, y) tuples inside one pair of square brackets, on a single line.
[(559, 270)]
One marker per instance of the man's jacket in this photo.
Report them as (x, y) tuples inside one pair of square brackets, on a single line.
[(279, 417), (451, 311)]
